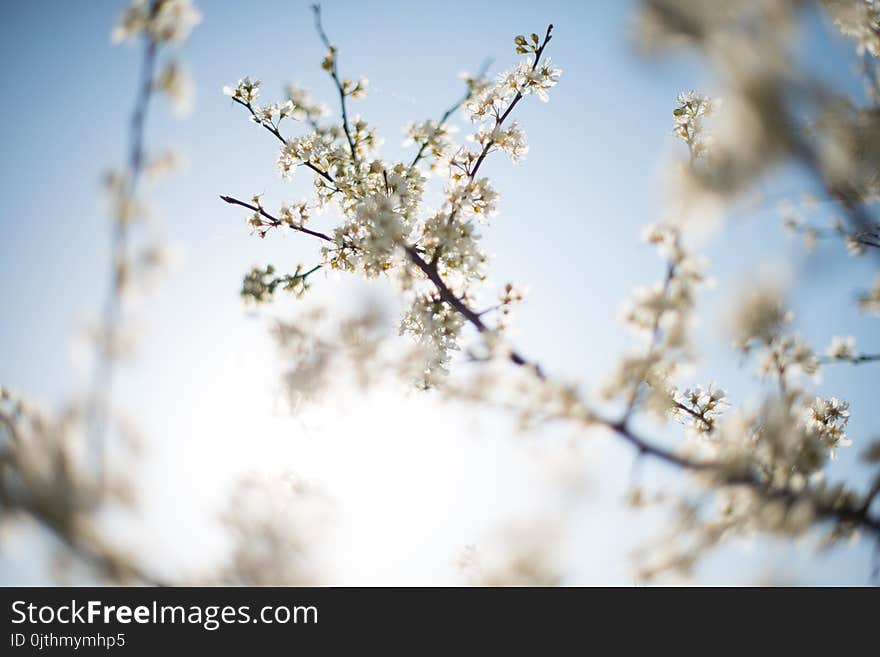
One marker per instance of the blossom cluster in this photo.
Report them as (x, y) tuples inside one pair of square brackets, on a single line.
[(869, 301), (433, 139), (512, 140), (311, 109), (436, 327), (246, 90), (841, 348), (161, 20), (857, 242), (385, 226), (700, 407), (490, 103), (175, 83), (691, 109), (763, 464), (858, 20), (663, 314), (260, 283)]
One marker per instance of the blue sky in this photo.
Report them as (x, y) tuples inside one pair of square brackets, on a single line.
[(568, 227)]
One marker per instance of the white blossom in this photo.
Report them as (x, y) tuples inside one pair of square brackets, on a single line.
[(692, 108), (870, 301), (247, 90), (161, 20), (175, 82), (827, 419), (759, 316), (304, 106), (538, 79), (841, 348)]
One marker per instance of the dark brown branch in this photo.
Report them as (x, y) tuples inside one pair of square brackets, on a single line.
[(274, 220), (694, 414), (644, 447), (274, 130), (856, 515), (448, 296)]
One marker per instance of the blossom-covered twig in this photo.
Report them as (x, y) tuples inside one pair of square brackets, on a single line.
[(538, 50), (855, 242), (843, 350), (274, 130), (834, 509), (245, 92), (275, 221), (430, 270), (857, 359), (472, 85)]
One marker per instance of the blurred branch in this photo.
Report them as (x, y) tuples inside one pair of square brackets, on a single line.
[(855, 360), (102, 385)]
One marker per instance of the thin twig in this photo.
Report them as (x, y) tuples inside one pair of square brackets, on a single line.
[(275, 220), (274, 130), (655, 338), (316, 9), (858, 516), (518, 97), (452, 110)]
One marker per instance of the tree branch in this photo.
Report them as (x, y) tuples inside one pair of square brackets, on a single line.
[(316, 9), (855, 360), (857, 515), (518, 97), (274, 220), (447, 295), (449, 112), (274, 130)]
